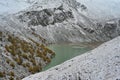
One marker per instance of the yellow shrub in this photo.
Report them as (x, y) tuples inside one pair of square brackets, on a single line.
[(12, 64), (34, 69), (48, 60), (24, 55), (2, 74), (33, 61), (11, 78), (0, 34), (8, 61), (11, 73), (19, 61)]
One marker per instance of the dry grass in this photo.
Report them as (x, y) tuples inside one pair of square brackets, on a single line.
[(22, 50)]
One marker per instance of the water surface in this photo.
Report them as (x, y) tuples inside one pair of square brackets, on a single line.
[(67, 51)]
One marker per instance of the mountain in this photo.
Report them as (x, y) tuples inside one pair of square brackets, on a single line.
[(27, 26), (102, 63), (72, 21), (68, 20)]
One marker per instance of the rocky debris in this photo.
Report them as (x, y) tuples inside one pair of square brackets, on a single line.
[(102, 63)]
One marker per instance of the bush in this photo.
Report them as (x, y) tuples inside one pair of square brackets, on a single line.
[(8, 61), (48, 60), (33, 61), (19, 61), (26, 65), (11, 78), (0, 34), (12, 64), (34, 69), (2, 74), (7, 48), (24, 56), (11, 73)]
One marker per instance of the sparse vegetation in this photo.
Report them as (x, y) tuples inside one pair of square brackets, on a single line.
[(21, 50)]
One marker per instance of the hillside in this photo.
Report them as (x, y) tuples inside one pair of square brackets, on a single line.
[(102, 63), (22, 52)]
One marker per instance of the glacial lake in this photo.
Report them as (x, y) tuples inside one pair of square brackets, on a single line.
[(67, 51)]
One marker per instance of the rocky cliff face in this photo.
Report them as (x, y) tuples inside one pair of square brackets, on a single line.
[(102, 63)]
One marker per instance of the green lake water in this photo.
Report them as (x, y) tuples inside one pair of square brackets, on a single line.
[(65, 52)]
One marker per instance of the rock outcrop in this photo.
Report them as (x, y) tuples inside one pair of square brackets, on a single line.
[(102, 63)]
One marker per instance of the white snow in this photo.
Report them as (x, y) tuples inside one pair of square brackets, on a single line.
[(102, 63)]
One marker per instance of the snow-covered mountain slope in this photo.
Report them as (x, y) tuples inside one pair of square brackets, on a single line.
[(71, 20), (102, 63)]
